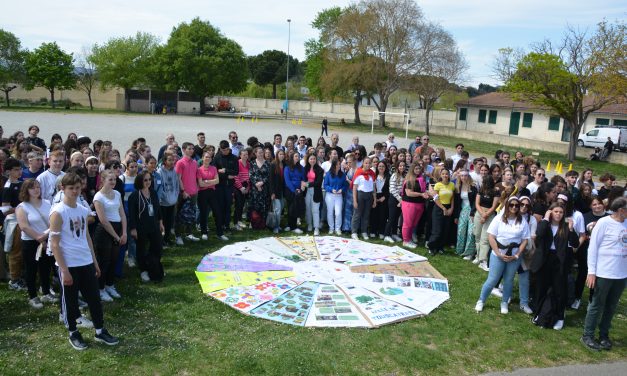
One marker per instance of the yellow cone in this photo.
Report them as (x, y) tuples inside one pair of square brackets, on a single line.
[(570, 167), (548, 166), (558, 169)]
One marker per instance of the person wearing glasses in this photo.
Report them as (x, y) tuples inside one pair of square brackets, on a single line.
[(146, 226), (302, 147), (424, 148), (414, 145), (508, 237), (234, 144)]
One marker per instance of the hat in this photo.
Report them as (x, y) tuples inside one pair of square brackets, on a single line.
[(83, 140)]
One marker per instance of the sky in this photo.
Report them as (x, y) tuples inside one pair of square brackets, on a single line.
[(480, 27)]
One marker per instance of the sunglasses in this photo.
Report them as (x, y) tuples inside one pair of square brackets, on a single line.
[(525, 206), (540, 174), (514, 205)]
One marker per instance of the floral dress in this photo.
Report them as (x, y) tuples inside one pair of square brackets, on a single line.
[(260, 200)]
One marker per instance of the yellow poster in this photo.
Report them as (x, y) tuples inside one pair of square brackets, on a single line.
[(214, 281)]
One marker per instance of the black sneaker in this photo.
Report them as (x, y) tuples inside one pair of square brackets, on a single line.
[(77, 342), (106, 338), (605, 343), (590, 343)]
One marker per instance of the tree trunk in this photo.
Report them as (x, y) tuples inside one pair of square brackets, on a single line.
[(52, 98), (127, 100), (203, 107), (6, 96), (91, 105), (356, 106), (572, 143), (274, 90), (427, 111), (382, 107)]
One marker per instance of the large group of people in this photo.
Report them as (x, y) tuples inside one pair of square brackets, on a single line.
[(503, 214)]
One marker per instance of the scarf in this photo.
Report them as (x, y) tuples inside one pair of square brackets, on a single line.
[(367, 174)]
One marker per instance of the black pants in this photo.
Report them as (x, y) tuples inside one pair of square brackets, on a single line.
[(325, 130), (107, 251), (85, 281), (240, 200), (208, 199), (582, 270), (424, 225), (292, 219), (440, 228), (167, 215), (553, 275), (225, 200), (394, 212), (32, 266), (379, 216), (149, 250)]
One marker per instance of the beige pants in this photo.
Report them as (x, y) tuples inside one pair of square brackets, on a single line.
[(481, 236)]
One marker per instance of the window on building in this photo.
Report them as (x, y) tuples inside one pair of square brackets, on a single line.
[(482, 115), (492, 118), (620, 123), (602, 121), (527, 120), (554, 123), (462, 113)]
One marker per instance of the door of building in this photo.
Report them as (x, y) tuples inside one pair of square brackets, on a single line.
[(514, 123)]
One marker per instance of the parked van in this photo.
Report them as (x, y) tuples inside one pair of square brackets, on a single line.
[(597, 137)]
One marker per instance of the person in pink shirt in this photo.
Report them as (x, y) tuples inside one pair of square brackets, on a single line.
[(186, 169), (242, 188), (207, 177)]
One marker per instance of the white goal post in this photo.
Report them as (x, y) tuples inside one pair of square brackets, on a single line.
[(377, 114)]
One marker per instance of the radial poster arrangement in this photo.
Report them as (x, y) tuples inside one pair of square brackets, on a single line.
[(322, 281)]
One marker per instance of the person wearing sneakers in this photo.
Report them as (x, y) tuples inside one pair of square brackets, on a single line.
[(110, 233), (335, 185), (12, 244), (415, 194), (314, 174), (294, 178), (486, 203), (508, 237), (186, 169), (32, 217), (364, 198), (242, 188), (207, 176), (397, 181), (77, 265)]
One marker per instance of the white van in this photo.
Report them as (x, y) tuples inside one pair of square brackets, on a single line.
[(597, 137)]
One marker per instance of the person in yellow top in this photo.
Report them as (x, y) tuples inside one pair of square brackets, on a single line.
[(442, 214)]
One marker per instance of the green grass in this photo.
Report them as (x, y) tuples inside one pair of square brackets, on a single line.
[(488, 149), (172, 328)]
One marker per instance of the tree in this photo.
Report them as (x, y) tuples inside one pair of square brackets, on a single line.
[(443, 68), (12, 58), (580, 75), (269, 67), (50, 67), (316, 55), (125, 62), (86, 76), (505, 62), (198, 58)]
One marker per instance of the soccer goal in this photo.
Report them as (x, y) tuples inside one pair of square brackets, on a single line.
[(400, 117)]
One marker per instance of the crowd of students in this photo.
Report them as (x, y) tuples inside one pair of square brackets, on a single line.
[(503, 215)]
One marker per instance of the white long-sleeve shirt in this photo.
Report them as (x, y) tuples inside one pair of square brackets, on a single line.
[(607, 253), (47, 181)]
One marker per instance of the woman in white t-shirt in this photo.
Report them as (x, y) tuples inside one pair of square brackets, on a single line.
[(508, 236), (364, 198), (32, 216), (110, 233)]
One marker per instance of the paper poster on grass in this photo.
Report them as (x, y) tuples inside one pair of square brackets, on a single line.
[(290, 308), (330, 247), (214, 281), (278, 248), (211, 263), (251, 252), (375, 309), (246, 298), (332, 308), (407, 269), (361, 253), (304, 246)]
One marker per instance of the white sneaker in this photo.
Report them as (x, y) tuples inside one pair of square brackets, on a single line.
[(241, 224), (504, 308), (179, 241), (576, 304), (298, 231), (372, 235), (131, 262), (49, 298), (145, 277), (467, 258), (414, 238), (287, 229), (298, 221), (84, 322), (204, 237), (397, 238), (354, 236), (331, 232), (484, 265), (316, 232), (104, 297), (525, 308), (381, 236), (476, 261), (112, 292), (192, 238), (238, 227), (35, 303), (558, 325), (479, 306), (275, 231), (338, 232), (409, 244), (365, 236), (496, 292), (223, 238), (388, 239)]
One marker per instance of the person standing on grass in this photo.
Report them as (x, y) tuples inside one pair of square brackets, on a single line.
[(32, 217), (364, 199), (207, 176), (48, 179), (277, 184), (607, 274), (186, 169), (110, 233), (228, 168), (242, 188), (414, 195), (508, 234), (313, 193), (325, 127), (12, 243), (294, 177), (168, 195), (78, 268), (380, 213), (334, 185), (259, 183), (442, 215), (465, 200), (397, 181)]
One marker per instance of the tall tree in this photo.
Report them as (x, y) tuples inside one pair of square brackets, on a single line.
[(12, 58), (125, 62), (86, 76), (50, 67), (580, 75), (269, 67), (316, 54), (198, 58)]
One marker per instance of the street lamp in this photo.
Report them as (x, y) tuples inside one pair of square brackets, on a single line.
[(287, 76)]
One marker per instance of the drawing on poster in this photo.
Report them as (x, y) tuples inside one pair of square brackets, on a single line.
[(322, 281)]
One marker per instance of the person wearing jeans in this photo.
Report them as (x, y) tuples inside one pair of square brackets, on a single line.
[(334, 185), (508, 236), (364, 198)]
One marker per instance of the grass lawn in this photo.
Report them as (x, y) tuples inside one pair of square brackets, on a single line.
[(488, 149), (172, 328)]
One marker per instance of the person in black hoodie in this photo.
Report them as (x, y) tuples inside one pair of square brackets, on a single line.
[(146, 226), (379, 215), (277, 184), (552, 260), (314, 174), (227, 165)]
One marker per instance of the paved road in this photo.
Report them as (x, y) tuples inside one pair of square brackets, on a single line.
[(605, 369)]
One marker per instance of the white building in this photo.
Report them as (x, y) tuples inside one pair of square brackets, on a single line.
[(497, 113)]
